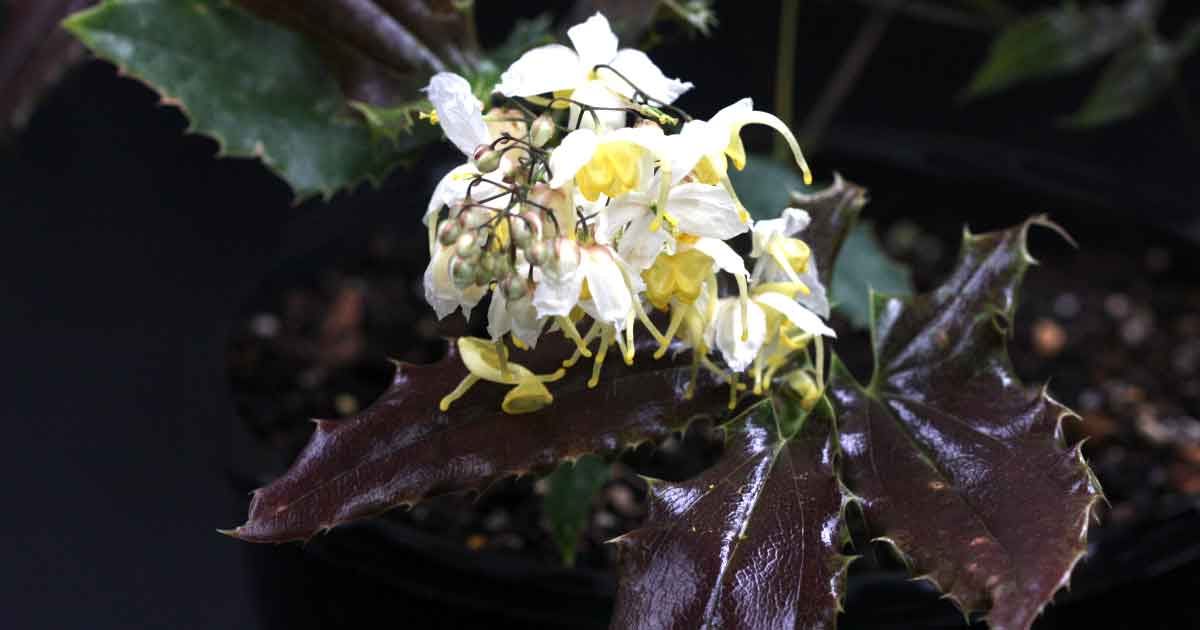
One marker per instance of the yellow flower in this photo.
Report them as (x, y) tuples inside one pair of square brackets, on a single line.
[(680, 276)]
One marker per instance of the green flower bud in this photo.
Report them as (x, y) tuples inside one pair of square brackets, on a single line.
[(448, 232), (514, 287), (486, 159), (467, 246), (542, 130), (540, 253), (462, 272), (474, 217)]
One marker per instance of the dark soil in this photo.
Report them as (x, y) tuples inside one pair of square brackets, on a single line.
[(1114, 326)]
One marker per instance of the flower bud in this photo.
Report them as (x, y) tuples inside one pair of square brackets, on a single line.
[(540, 253), (482, 276), (486, 159), (474, 217), (542, 130), (462, 272), (514, 287), (525, 228), (467, 246), (448, 232)]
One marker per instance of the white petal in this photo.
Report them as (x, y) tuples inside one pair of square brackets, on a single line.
[(596, 94), (803, 318), (606, 283), (791, 222), (544, 69), (722, 254), (650, 138), (619, 213), (739, 353), (460, 114), (594, 41), (726, 117), (557, 293), (639, 246), (637, 67), (449, 190), (498, 321), (575, 150), (705, 210), (816, 301), (440, 291)]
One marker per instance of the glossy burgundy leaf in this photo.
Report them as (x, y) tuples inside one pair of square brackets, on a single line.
[(752, 543), (402, 448), (958, 465), (834, 210)]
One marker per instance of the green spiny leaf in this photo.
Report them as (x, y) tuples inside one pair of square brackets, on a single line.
[(258, 89), (956, 464), (573, 488)]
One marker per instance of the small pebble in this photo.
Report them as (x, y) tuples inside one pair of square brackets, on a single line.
[(1090, 400), (1049, 337), (345, 404), (604, 520), (265, 325), (1066, 305), (1118, 305), (496, 520), (1136, 329), (622, 500)]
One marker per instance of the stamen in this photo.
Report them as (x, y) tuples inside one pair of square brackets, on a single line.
[(629, 347), (572, 333), (757, 373), (606, 339), (591, 335), (645, 319), (677, 312), (458, 392), (776, 251)]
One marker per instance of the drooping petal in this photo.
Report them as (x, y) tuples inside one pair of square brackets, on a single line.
[(738, 352), (544, 69), (440, 291), (791, 222), (722, 254), (594, 41), (637, 67), (705, 210), (619, 213), (460, 114), (558, 292), (640, 245), (803, 318), (816, 300), (449, 190), (575, 150), (606, 282)]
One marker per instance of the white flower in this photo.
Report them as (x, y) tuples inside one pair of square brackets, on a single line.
[(771, 247), (557, 68), (440, 291), (740, 343), (611, 163), (706, 216), (703, 148), (518, 317)]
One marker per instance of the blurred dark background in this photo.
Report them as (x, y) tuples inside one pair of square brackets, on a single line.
[(129, 253)]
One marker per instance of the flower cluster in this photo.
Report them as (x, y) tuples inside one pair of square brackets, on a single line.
[(588, 199)]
